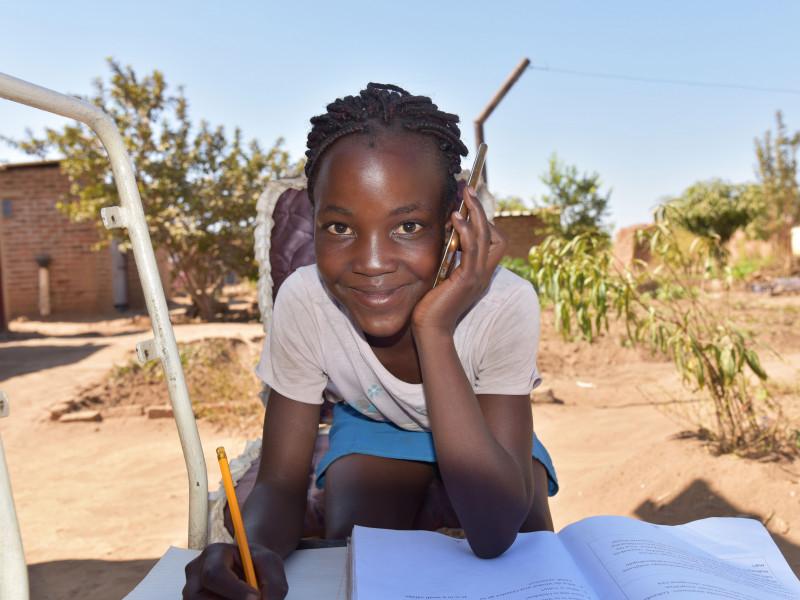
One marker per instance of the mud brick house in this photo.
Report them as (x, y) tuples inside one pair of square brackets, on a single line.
[(35, 236), (522, 228), (627, 249)]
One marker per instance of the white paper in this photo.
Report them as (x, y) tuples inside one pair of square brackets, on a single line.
[(165, 580), (317, 574), (729, 558), (423, 565), (312, 575)]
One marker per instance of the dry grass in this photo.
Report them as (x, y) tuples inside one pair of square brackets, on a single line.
[(219, 375)]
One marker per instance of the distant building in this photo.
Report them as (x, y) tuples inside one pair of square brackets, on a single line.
[(628, 249), (49, 264), (522, 229)]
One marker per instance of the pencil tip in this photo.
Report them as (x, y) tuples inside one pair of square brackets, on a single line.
[(221, 453)]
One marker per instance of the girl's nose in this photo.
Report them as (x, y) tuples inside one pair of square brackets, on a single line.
[(374, 256)]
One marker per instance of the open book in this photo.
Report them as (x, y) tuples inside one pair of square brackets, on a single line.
[(604, 558)]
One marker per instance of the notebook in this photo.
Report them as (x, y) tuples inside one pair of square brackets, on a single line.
[(312, 575)]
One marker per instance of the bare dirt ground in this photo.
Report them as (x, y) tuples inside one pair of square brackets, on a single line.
[(98, 503)]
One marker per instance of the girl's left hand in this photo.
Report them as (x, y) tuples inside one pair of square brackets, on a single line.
[(482, 247)]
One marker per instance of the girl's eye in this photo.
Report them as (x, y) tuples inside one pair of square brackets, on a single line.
[(338, 229), (409, 227)]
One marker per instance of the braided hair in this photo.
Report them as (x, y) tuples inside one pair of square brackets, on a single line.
[(385, 105)]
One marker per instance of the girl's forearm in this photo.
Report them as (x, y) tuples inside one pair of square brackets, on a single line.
[(273, 518), (490, 490)]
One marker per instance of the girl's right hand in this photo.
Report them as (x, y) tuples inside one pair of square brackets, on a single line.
[(217, 574)]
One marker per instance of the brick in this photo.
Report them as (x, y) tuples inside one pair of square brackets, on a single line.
[(60, 409), (163, 411), (82, 416)]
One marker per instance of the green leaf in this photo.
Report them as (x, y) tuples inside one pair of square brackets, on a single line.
[(555, 289), (727, 363), (755, 364), (566, 322)]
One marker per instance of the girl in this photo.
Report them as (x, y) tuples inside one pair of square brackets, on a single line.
[(429, 385)]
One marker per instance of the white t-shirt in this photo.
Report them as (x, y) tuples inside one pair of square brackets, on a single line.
[(313, 351)]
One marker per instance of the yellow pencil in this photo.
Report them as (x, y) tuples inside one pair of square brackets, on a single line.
[(236, 517)]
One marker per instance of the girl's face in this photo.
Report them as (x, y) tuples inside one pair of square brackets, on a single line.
[(379, 226)]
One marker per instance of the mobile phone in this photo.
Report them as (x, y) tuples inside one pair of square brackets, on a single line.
[(451, 245)]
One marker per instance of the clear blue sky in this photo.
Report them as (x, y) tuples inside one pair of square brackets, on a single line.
[(267, 67)]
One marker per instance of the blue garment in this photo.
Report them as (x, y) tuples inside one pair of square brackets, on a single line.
[(353, 433)]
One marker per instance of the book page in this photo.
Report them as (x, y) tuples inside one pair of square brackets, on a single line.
[(424, 565), (728, 558)]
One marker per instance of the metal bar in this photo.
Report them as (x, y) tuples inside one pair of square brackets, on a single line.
[(478, 141), (13, 570), (481, 118), (131, 207), (511, 80)]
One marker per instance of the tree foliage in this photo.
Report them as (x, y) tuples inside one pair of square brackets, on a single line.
[(577, 202), (777, 172), (579, 279), (716, 208), (198, 186), (512, 203)]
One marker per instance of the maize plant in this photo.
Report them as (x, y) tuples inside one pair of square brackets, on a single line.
[(662, 309)]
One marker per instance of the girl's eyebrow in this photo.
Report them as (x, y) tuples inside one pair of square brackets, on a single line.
[(400, 210), (337, 209), (408, 208)]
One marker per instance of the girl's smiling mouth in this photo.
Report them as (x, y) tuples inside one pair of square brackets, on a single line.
[(377, 297)]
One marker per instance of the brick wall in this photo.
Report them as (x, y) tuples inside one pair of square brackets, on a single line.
[(80, 277), (135, 293), (3, 325), (522, 230)]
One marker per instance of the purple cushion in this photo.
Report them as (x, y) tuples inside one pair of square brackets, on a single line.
[(292, 237)]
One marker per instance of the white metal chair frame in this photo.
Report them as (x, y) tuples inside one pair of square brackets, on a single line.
[(130, 215), (13, 571)]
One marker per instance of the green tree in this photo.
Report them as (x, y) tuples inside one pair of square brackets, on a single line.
[(777, 172), (576, 197), (199, 188), (716, 208), (512, 203)]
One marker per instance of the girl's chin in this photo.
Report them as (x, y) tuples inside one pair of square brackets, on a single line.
[(387, 330)]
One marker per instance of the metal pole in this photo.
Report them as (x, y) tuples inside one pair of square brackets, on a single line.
[(481, 118), (13, 571), (478, 141), (130, 214)]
